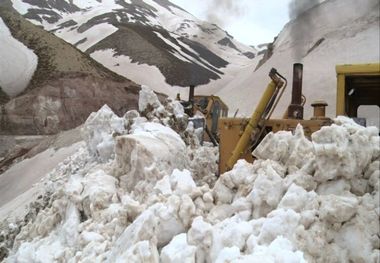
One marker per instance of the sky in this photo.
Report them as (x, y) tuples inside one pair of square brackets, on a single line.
[(251, 22)]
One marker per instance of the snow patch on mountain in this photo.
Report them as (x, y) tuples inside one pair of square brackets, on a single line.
[(139, 73), (18, 63)]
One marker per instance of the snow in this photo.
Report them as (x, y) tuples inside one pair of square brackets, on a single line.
[(136, 72), (148, 99), (21, 6), (178, 251), (26, 173), (149, 201), (98, 132), (18, 63), (92, 35)]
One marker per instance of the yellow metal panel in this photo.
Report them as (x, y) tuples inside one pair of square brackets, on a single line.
[(367, 69), (340, 95), (344, 71), (230, 131)]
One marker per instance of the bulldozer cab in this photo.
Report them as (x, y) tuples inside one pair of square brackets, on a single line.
[(358, 92), (213, 108)]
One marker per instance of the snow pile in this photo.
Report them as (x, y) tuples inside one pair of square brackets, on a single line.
[(99, 130), (17, 63), (301, 201)]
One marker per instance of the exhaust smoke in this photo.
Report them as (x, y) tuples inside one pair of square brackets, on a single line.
[(301, 32), (221, 12), (298, 7)]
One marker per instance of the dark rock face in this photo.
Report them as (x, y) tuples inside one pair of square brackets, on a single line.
[(48, 15), (267, 54), (249, 55), (70, 23), (64, 103), (60, 5), (227, 42), (316, 45), (48, 10)]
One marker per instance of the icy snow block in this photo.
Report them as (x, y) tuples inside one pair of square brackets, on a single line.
[(280, 250), (293, 150), (344, 151), (338, 209), (178, 251), (182, 182), (97, 133), (98, 191), (143, 251), (139, 230), (147, 97), (275, 146), (178, 110), (151, 147)]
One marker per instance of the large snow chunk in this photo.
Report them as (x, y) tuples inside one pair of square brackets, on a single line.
[(354, 240), (275, 146), (337, 209), (280, 250), (344, 150), (147, 98), (299, 199), (17, 63), (178, 251), (182, 182), (139, 230), (151, 150), (200, 235), (232, 232), (267, 190), (97, 132), (143, 251), (295, 151), (279, 222), (235, 183), (99, 188)]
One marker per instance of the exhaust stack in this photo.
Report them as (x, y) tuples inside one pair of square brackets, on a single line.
[(191, 93), (295, 109)]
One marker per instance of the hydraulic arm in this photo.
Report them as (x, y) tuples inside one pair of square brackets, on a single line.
[(263, 111)]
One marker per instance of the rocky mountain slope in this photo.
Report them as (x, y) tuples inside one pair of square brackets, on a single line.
[(333, 32), (64, 87), (141, 38)]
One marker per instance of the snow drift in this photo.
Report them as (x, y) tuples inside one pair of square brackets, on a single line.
[(18, 63), (121, 198)]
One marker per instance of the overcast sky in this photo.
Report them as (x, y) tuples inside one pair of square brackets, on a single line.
[(253, 22)]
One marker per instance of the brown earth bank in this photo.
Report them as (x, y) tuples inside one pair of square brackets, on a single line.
[(64, 103), (66, 87)]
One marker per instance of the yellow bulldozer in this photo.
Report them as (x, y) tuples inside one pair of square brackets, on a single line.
[(357, 85)]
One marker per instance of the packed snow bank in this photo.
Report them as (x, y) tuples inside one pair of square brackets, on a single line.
[(17, 63), (300, 201)]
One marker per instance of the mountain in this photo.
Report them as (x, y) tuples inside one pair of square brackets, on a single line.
[(47, 84), (141, 38), (333, 32)]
